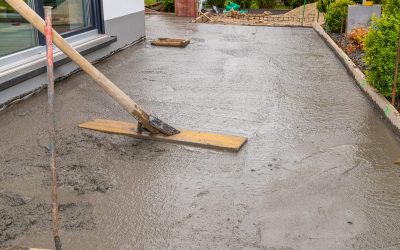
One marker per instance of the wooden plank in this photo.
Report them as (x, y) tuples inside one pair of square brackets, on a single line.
[(202, 14), (203, 18), (172, 42), (187, 137)]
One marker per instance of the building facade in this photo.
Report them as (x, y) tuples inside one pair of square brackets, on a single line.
[(95, 28)]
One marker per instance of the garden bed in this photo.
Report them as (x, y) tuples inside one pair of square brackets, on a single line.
[(383, 104), (356, 56)]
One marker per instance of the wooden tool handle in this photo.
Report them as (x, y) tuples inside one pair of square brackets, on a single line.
[(117, 94)]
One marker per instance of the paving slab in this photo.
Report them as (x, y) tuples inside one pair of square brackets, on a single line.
[(317, 171)]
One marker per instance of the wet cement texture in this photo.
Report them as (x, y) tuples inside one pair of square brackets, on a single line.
[(316, 173)]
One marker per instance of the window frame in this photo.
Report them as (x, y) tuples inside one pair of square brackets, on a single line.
[(97, 18), (96, 15)]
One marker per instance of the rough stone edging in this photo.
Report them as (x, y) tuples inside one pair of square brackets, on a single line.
[(383, 105)]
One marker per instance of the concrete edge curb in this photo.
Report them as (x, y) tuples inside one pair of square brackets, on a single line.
[(383, 105)]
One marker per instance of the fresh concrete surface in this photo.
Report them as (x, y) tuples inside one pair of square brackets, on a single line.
[(383, 105), (316, 173)]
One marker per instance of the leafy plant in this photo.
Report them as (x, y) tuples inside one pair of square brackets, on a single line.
[(322, 5), (244, 4), (218, 3), (297, 3), (266, 4), (254, 5), (391, 7), (168, 5), (336, 15), (357, 39), (381, 50)]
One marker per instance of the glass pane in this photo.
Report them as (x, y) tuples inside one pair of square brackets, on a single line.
[(15, 33), (70, 15)]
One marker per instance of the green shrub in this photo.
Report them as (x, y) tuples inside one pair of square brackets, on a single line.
[(381, 49), (254, 5), (244, 4), (218, 3), (266, 4), (169, 5), (337, 12), (391, 7), (297, 3), (322, 5)]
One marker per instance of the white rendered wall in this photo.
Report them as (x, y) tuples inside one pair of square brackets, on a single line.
[(117, 8)]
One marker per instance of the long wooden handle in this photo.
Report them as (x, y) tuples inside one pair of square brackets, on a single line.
[(117, 94)]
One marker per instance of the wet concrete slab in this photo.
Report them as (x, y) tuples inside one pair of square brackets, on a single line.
[(316, 173)]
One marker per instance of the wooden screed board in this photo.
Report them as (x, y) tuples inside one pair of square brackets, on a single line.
[(187, 137)]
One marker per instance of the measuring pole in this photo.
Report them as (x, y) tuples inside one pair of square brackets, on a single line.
[(304, 10), (396, 72), (52, 132)]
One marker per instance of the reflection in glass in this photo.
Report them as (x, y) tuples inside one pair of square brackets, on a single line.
[(15, 33), (70, 15)]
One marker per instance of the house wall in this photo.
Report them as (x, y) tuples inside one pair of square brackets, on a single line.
[(118, 8), (124, 19)]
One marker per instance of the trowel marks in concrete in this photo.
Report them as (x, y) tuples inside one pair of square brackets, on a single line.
[(19, 215), (316, 173), (74, 173)]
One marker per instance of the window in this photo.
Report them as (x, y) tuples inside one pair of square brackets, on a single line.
[(15, 33), (70, 17)]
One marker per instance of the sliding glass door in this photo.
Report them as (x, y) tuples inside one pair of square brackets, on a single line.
[(15, 33), (70, 17)]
